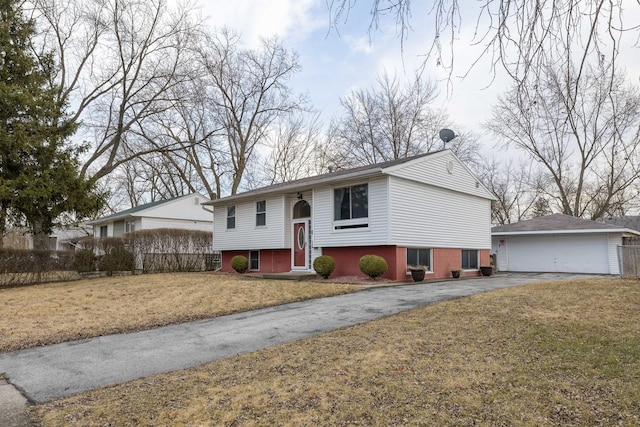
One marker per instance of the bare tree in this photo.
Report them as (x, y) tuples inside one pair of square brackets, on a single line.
[(248, 93), (119, 61), (585, 138), (292, 149), (388, 122), (236, 100), (515, 187), (518, 36)]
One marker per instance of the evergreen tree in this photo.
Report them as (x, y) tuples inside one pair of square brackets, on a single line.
[(39, 178)]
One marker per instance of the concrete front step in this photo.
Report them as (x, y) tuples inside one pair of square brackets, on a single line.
[(291, 275)]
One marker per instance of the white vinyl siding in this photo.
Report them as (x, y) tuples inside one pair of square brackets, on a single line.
[(182, 224), (615, 240), (442, 170), (246, 235), (426, 216), (324, 234), (184, 208)]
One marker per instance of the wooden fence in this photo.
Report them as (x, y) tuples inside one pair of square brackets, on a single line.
[(629, 261)]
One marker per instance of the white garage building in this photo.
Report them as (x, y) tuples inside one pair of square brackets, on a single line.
[(558, 243)]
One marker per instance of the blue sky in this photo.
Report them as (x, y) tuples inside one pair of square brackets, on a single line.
[(336, 61)]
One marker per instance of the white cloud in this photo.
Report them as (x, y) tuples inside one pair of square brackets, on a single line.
[(359, 44), (254, 19)]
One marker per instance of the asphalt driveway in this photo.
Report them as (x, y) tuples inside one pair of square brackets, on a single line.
[(52, 372)]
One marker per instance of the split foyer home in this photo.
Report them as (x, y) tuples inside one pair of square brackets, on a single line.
[(428, 209)]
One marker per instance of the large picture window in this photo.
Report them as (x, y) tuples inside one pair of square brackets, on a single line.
[(351, 204), (261, 213), (231, 217), (419, 257), (470, 259)]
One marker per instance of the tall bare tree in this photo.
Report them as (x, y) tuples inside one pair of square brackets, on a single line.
[(248, 93), (292, 148), (390, 121), (515, 187), (585, 136), (236, 100), (118, 63)]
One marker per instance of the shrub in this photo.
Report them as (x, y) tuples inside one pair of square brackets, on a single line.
[(324, 266), (373, 265), (118, 259), (240, 263), (83, 260)]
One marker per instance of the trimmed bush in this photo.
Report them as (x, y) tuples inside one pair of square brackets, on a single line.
[(240, 263), (324, 266), (83, 260), (118, 259), (373, 265)]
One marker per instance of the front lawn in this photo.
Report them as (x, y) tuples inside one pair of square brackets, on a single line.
[(550, 354), (56, 312)]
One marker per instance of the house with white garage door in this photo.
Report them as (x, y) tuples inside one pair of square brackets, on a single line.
[(559, 243)]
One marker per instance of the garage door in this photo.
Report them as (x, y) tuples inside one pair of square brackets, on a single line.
[(557, 253)]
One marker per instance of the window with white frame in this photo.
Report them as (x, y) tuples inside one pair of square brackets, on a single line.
[(254, 260), (470, 259), (351, 207), (103, 231), (231, 217), (129, 226), (261, 213), (419, 257)]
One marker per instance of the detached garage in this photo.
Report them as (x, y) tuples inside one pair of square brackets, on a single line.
[(560, 244)]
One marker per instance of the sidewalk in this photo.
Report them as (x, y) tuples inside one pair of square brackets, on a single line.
[(61, 370), (12, 406)]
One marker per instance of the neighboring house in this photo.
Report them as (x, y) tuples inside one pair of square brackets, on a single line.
[(185, 212), (62, 239), (559, 243), (632, 222), (428, 209)]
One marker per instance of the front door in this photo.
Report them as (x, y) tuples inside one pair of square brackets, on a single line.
[(300, 249)]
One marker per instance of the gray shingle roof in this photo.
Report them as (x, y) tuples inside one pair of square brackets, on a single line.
[(309, 182), (556, 222), (632, 222)]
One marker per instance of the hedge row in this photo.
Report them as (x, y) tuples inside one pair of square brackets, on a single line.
[(159, 250)]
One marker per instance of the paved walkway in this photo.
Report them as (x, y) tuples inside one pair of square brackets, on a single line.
[(52, 372)]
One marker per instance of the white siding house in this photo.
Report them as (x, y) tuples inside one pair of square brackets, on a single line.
[(559, 243), (185, 212), (429, 208)]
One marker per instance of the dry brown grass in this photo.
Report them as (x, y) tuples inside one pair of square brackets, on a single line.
[(552, 354), (57, 312)]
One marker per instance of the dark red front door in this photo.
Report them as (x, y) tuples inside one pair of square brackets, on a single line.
[(300, 244)]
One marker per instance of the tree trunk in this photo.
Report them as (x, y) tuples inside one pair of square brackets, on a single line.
[(3, 225), (40, 236)]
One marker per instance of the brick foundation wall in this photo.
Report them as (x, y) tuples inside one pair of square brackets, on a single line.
[(271, 260)]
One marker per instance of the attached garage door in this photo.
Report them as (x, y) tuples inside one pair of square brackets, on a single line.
[(556, 253)]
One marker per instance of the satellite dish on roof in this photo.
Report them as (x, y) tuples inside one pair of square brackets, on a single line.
[(447, 135)]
